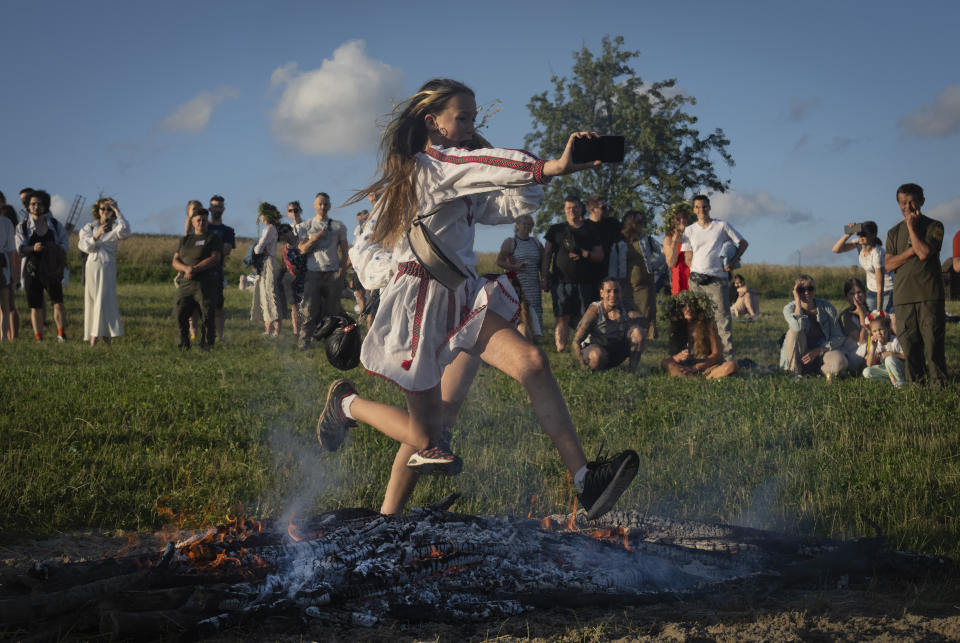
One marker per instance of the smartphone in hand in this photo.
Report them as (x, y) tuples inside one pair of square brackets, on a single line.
[(608, 149)]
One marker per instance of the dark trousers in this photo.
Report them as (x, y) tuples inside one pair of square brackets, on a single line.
[(321, 298), (921, 329), (197, 295)]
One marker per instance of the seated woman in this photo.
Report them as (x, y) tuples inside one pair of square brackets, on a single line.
[(694, 340), (608, 332), (883, 353), (853, 323), (813, 337), (746, 306)]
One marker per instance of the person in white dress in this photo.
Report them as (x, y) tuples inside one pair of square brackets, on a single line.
[(100, 240), (432, 165), (264, 306)]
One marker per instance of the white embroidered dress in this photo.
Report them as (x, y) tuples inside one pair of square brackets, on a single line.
[(422, 325), (101, 311)]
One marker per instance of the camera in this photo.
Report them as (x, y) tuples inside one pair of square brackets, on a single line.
[(853, 228)]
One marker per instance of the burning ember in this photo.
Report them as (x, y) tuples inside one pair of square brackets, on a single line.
[(355, 567)]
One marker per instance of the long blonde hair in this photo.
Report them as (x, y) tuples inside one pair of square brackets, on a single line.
[(405, 136)]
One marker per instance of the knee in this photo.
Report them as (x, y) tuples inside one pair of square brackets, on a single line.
[(533, 361), (596, 359)]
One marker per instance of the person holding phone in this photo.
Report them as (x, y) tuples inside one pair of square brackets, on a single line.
[(871, 255), (100, 240)]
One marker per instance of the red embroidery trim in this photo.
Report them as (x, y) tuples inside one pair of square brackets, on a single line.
[(535, 168)]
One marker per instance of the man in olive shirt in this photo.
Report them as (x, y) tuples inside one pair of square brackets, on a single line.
[(913, 255), (197, 259)]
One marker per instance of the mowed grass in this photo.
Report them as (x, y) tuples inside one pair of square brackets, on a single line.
[(137, 435)]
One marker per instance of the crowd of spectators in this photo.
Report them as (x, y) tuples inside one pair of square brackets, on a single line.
[(603, 273)]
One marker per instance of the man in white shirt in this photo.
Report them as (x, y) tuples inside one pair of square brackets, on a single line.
[(702, 243), (324, 242)]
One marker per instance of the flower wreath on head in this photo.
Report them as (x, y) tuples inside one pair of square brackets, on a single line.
[(670, 216), (875, 315), (671, 308)]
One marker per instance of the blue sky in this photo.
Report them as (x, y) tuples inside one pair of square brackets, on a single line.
[(829, 106)]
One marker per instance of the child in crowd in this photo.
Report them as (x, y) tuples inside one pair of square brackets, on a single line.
[(882, 351), (746, 306), (434, 163)]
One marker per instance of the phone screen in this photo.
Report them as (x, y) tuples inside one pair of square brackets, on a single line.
[(609, 149)]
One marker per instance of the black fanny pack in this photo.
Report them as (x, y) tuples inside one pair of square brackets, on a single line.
[(703, 280)]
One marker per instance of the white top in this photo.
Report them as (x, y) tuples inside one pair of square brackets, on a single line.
[(705, 244), (892, 346), (324, 256), (267, 243), (105, 247), (463, 187), (870, 262)]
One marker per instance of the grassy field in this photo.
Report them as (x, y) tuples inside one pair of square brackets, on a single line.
[(138, 435)]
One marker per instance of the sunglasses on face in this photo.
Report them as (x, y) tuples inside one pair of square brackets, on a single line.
[(803, 289)]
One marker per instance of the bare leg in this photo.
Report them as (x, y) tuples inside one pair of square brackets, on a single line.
[(400, 425), (562, 333), (593, 357), (295, 319), (673, 369), (37, 321), (60, 316), (4, 313), (637, 343), (501, 346), (454, 385), (722, 370)]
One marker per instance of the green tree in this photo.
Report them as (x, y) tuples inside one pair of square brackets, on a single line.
[(667, 157)]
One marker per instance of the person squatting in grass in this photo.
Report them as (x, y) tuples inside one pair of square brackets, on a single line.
[(882, 352), (694, 343), (100, 240), (813, 340), (432, 161), (609, 332)]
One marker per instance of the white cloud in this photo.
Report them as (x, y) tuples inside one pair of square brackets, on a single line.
[(819, 252), (334, 109), (194, 115), (942, 118), (946, 212), (735, 206)]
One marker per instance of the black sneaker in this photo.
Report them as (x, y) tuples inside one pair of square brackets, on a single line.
[(606, 480), (333, 424), (435, 461)]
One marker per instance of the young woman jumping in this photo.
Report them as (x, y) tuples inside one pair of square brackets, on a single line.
[(433, 163)]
